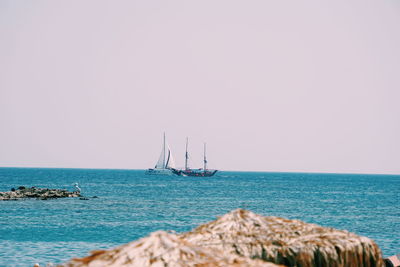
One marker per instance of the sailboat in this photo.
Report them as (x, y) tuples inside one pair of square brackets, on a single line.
[(165, 164), (202, 172)]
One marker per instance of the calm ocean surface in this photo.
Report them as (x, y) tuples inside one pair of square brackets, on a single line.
[(131, 205)]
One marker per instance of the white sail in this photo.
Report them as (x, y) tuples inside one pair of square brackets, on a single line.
[(161, 160), (165, 161), (170, 162), (165, 164)]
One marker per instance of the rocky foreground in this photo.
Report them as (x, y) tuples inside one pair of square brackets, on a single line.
[(164, 249), (38, 193), (287, 242), (242, 238)]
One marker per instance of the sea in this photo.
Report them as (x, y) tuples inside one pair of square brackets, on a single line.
[(130, 205)]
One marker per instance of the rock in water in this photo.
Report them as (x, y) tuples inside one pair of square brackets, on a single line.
[(288, 242), (163, 249), (38, 193)]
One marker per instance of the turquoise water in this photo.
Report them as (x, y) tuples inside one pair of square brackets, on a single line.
[(131, 205)]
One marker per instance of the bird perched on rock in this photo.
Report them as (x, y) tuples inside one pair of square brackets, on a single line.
[(77, 188)]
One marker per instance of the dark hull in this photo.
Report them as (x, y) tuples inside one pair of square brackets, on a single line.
[(194, 173)]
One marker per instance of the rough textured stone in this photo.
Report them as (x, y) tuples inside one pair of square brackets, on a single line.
[(242, 238), (38, 193), (288, 242), (163, 249)]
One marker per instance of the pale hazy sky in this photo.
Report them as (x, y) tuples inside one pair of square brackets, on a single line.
[(269, 85)]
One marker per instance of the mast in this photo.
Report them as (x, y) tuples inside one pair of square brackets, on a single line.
[(186, 154), (164, 152), (205, 160)]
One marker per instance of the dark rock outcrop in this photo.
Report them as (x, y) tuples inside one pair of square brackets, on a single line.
[(38, 193)]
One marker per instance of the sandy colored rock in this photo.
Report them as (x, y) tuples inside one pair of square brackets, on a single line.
[(288, 242), (163, 249)]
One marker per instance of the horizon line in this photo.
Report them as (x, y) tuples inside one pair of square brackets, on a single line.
[(264, 171)]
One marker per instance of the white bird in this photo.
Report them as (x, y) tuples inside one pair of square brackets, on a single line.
[(77, 189)]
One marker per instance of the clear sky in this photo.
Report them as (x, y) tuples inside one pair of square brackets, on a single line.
[(309, 86)]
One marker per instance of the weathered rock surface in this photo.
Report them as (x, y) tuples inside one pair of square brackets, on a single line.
[(163, 249), (242, 238), (38, 193), (288, 242)]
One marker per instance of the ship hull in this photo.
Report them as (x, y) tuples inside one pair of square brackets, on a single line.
[(195, 173)]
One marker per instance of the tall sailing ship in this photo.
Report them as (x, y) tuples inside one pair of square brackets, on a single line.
[(202, 172), (165, 164)]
